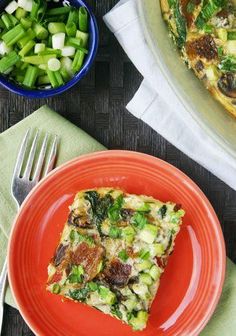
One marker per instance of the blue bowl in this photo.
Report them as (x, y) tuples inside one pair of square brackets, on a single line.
[(93, 46)]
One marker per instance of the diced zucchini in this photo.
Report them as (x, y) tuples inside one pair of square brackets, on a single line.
[(231, 47), (144, 265), (107, 296), (139, 322), (126, 291), (131, 302), (176, 215), (222, 34), (144, 254), (146, 279), (156, 249), (128, 234), (212, 73), (141, 290), (154, 272), (148, 233)]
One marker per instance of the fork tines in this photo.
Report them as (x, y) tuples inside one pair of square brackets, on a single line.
[(25, 163)]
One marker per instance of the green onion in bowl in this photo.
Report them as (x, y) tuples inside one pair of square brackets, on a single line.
[(41, 45)]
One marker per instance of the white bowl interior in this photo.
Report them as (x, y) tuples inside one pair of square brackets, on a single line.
[(212, 117)]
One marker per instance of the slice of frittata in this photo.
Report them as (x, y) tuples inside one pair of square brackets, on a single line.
[(112, 252)]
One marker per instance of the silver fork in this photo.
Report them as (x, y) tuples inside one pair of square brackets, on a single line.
[(24, 182)]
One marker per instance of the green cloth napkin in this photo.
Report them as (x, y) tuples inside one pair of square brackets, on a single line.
[(75, 142)]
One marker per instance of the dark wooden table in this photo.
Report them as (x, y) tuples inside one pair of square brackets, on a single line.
[(97, 105)]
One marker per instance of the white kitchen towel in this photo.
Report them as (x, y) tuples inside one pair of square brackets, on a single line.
[(156, 103)]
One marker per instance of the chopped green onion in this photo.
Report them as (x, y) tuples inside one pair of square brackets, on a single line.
[(40, 31), (4, 49), (54, 64), (78, 61), (29, 45), (77, 43), (2, 24), (83, 37), (58, 11), (92, 286), (208, 28), (42, 80), (68, 51), (56, 27), (26, 4), (13, 35), (35, 8), (52, 78), (73, 17), (20, 78), (20, 13), (14, 21), (11, 7), (66, 64), (6, 21), (220, 51), (123, 255), (114, 232), (83, 19), (41, 11), (26, 23), (71, 29), (30, 76), (59, 18), (42, 44), (42, 67), (58, 40), (208, 9), (30, 35), (39, 47), (36, 60), (8, 61), (48, 51), (23, 66), (49, 44), (65, 74), (41, 72), (59, 78)]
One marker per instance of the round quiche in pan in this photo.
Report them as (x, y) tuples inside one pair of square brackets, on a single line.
[(205, 33)]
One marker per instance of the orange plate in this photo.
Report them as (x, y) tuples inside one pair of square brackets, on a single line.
[(191, 285)]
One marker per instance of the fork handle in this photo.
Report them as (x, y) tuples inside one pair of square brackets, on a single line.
[(3, 282)]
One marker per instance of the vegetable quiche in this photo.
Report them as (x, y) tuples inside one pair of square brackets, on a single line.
[(112, 252), (205, 32)]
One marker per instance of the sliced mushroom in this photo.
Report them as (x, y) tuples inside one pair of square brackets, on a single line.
[(227, 85), (60, 254), (117, 273), (82, 220)]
